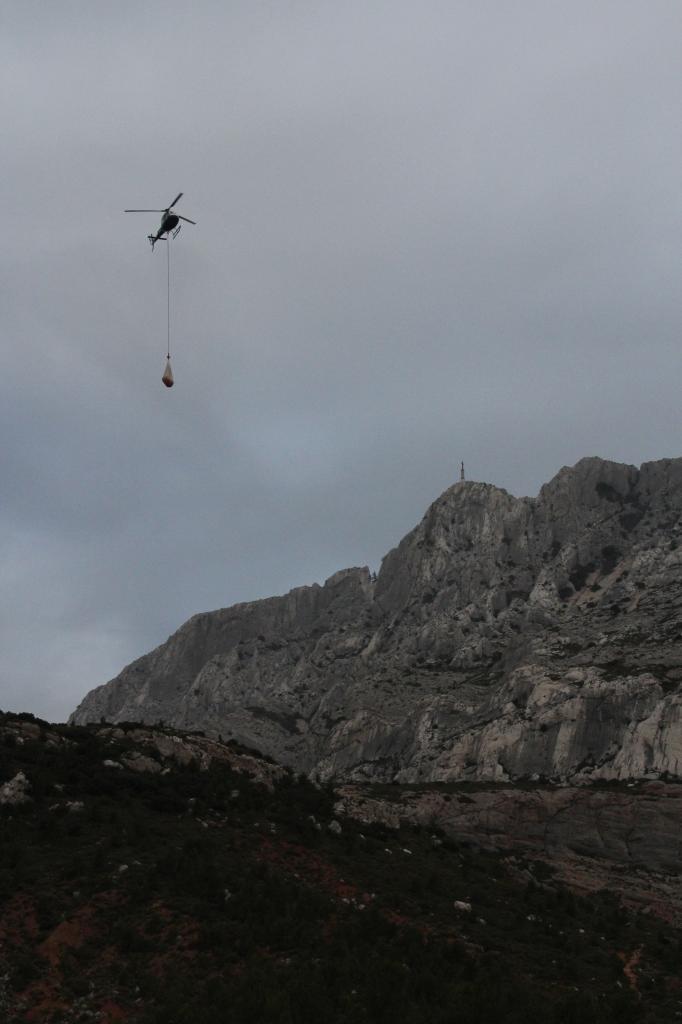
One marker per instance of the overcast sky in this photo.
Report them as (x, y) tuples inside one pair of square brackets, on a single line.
[(425, 232)]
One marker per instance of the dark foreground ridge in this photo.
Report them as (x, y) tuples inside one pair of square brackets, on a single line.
[(505, 640), (157, 877)]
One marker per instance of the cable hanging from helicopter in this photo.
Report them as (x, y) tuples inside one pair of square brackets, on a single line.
[(168, 372), (169, 227)]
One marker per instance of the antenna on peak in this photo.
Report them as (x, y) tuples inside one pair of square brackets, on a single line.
[(461, 473)]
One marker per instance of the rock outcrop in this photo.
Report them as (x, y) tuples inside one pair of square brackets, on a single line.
[(503, 639), (624, 838), (15, 791)]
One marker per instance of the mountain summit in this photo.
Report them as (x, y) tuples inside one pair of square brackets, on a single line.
[(503, 639)]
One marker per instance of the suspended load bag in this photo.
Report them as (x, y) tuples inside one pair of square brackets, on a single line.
[(168, 375)]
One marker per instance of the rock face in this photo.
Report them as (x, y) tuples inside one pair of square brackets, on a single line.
[(504, 639), (15, 792), (625, 838)]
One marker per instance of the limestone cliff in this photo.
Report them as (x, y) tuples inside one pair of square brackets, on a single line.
[(504, 638)]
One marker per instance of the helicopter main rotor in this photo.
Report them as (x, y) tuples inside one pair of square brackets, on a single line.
[(167, 210)]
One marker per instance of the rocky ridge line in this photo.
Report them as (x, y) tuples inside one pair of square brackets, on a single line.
[(504, 639)]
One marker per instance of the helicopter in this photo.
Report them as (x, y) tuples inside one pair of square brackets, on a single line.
[(169, 222)]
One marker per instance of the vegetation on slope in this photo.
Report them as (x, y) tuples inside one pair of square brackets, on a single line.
[(174, 895)]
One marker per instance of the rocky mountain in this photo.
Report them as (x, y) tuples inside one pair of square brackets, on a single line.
[(504, 639)]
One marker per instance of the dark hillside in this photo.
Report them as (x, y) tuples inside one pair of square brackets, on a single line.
[(154, 877)]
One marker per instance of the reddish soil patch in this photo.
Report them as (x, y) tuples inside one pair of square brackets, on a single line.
[(309, 866), (69, 934), (43, 998), (111, 1013), (313, 869), (630, 967)]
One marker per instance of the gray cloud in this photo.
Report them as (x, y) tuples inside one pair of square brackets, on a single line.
[(425, 233)]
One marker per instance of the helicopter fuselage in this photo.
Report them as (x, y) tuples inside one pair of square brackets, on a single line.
[(168, 223)]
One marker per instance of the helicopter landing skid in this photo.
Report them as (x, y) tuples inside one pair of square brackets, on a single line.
[(177, 231)]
